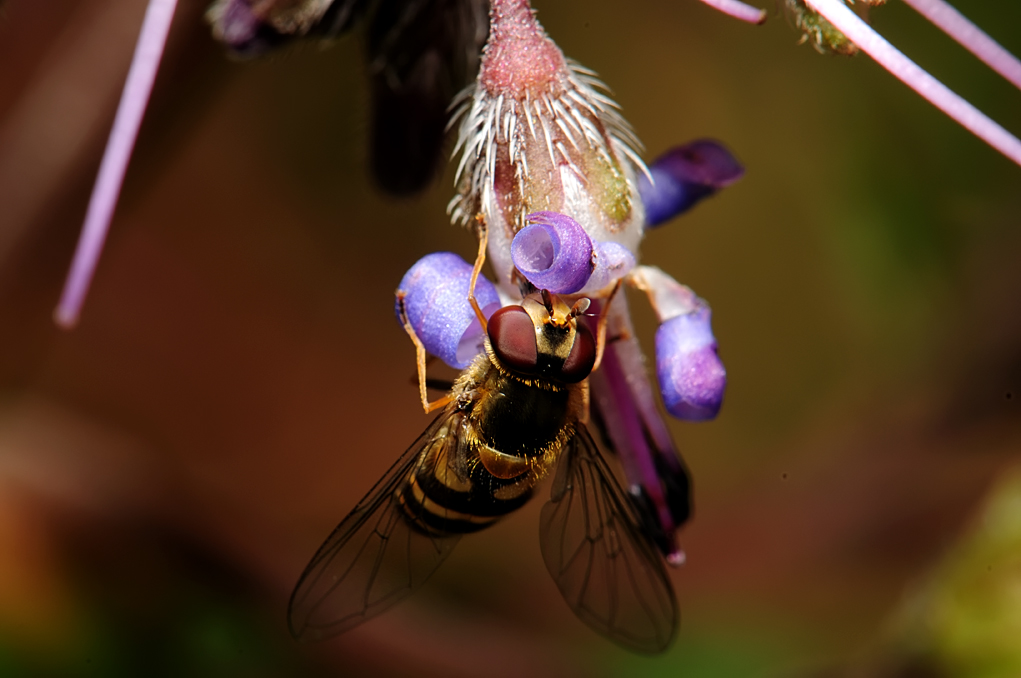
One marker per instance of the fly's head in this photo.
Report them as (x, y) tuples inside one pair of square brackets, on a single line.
[(543, 339)]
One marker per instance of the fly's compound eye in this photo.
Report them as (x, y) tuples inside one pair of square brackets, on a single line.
[(581, 358), (512, 336)]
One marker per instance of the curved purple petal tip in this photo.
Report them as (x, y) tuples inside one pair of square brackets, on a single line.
[(691, 377), (555, 253), (683, 176), (435, 292)]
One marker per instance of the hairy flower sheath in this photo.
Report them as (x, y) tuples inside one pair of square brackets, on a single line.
[(536, 133)]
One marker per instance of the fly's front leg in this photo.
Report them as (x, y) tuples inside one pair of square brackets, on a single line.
[(432, 383), (421, 356), (480, 259), (604, 316)]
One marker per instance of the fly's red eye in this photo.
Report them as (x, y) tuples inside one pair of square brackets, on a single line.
[(512, 336), (582, 357)]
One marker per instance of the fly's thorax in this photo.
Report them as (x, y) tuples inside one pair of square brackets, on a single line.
[(513, 427), (522, 418)]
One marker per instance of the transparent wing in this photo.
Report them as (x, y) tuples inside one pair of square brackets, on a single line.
[(378, 555), (605, 567)]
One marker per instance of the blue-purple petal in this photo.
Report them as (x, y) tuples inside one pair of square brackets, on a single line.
[(435, 292), (613, 261), (683, 176), (691, 376), (555, 253)]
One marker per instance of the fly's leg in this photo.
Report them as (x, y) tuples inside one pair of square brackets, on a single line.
[(421, 356), (480, 259), (604, 316), (432, 383)]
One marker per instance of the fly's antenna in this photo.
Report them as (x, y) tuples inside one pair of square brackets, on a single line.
[(547, 301), (580, 307)]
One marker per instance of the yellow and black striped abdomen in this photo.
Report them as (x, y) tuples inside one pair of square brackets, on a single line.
[(440, 500)]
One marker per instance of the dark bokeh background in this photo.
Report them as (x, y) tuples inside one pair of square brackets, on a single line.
[(238, 381)]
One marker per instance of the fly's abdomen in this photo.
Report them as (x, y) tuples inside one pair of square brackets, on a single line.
[(437, 500)]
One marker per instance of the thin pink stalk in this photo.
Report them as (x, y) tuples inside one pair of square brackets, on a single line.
[(971, 37), (739, 10), (134, 98), (890, 58)]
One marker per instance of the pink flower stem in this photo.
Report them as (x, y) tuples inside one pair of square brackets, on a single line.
[(890, 58), (134, 98), (738, 10), (971, 37)]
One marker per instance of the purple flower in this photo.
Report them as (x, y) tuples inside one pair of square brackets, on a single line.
[(252, 27), (683, 176), (238, 27), (691, 377), (613, 261), (558, 255), (435, 294), (554, 253)]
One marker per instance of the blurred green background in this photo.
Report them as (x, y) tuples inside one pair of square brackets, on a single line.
[(238, 382)]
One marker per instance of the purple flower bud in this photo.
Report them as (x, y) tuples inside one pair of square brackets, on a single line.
[(613, 262), (691, 376), (238, 26), (554, 254), (685, 175), (435, 293)]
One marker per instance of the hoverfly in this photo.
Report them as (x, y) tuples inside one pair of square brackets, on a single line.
[(516, 413)]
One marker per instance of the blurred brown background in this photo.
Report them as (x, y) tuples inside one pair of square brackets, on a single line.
[(238, 382)]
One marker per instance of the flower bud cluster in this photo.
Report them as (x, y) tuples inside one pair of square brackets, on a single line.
[(556, 175), (556, 172)]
